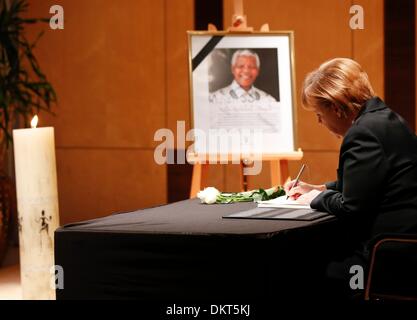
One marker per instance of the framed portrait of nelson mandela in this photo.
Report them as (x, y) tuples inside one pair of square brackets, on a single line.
[(243, 85)]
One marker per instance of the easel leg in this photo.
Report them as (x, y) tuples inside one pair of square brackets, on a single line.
[(244, 185), (279, 172), (275, 173), (285, 175), (199, 179)]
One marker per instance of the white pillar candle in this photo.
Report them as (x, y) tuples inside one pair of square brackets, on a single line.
[(37, 202)]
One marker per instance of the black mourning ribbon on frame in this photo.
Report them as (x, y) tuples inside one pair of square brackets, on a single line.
[(210, 45)]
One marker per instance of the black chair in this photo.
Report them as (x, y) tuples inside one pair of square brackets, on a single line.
[(392, 271)]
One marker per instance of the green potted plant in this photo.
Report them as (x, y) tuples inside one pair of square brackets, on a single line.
[(24, 91)]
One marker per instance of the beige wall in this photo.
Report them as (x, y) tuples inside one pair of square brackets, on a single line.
[(322, 32), (120, 72)]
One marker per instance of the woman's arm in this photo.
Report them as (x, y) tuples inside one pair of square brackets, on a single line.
[(330, 185), (364, 171)]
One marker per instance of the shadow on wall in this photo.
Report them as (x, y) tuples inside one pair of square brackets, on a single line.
[(179, 181)]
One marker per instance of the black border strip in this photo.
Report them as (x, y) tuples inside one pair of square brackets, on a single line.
[(400, 58), (210, 45)]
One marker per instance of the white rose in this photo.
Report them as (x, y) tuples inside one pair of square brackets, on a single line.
[(208, 195), (200, 195), (211, 197)]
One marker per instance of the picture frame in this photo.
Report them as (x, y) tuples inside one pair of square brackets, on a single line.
[(243, 84)]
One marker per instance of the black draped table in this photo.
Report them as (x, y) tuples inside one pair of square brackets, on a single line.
[(186, 250)]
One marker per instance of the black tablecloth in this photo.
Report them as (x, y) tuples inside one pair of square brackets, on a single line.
[(186, 250)]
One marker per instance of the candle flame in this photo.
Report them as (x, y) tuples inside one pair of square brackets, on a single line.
[(34, 121)]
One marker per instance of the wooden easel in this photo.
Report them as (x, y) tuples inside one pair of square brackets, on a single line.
[(278, 162)]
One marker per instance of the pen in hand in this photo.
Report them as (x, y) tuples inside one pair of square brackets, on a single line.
[(297, 179)]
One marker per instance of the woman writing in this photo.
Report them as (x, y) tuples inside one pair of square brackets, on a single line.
[(376, 187)]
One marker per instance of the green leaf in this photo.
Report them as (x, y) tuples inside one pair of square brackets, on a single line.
[(249, 196)]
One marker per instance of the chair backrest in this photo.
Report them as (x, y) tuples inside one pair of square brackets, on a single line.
[(393, 268)]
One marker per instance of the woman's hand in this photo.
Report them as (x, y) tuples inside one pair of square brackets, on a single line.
[(301, 188), (306, 198)]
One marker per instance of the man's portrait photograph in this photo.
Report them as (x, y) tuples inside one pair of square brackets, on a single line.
[(245, 75), (244, 83)]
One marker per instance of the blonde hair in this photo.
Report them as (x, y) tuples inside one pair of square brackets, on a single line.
[(338, 82)]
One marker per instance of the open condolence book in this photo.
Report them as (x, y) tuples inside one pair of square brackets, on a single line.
[(282, 202), (279, 209)]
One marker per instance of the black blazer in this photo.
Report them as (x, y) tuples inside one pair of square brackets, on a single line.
[(377, 176)]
